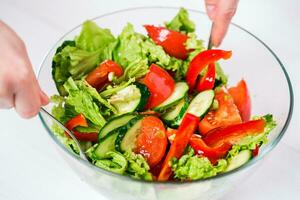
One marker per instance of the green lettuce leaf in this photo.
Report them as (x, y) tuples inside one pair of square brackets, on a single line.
[(115, 162), (193, 167), (137, 166), (83, 103), (129, 47), (93, 38), (181, 22)]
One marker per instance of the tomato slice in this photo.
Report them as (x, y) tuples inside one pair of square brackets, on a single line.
[(241, 97), (160, 84), (99, 76), (173, 42), (79, 120), (226, 114), (212, 153), (234, 133), (207, 82), (185, 131), (152, 140)]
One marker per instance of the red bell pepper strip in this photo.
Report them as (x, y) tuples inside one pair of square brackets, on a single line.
[(80, 120), (212, 153), (160, 84), (201, 60), (185, 131), (234, 133), (255, 151), (173, 42), (241, 97), (207, 82), (99, 76)]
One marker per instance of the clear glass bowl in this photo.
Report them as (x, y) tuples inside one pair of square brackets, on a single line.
[(252, 59)]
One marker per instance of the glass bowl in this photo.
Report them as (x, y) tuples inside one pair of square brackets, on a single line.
[(252, 59)]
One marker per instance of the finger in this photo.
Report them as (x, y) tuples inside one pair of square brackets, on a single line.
[(6, 93), (211, 6), (224, 13), (7, 102), (27, 99), (44, 98)]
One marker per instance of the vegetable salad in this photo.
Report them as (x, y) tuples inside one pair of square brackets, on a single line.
[(154, 107)]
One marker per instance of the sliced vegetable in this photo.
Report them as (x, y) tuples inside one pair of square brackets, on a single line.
[(115, 123), (128, 134), (185, 131), (201, 60), (80, 120), (212, 153), (241, 97), (173, 116), (99, 76), (180, 91), (207, 82), (106, 145), (255, 151), (239, 160), (201, 103), (226, 113), (132, 98), (172, 41), (160, 84), (234, 133), (152, 140)]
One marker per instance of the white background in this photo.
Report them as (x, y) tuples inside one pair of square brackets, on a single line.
[(31, 168)]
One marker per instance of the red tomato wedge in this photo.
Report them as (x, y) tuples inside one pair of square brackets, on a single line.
[(185, 131), (160, 84), (152, 140), (207, 82), (241, 97), (212, 153), (226, 114), (80, 120), (201, 60), (173, 42), (99, 76), (234, 133)]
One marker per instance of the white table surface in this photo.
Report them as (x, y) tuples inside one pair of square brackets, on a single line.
[(32, 169)]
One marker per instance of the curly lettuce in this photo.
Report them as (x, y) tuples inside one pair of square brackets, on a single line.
[(181, 22), (193, 167)]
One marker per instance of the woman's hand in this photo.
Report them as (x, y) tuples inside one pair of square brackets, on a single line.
[(19, 87), (221, 13)]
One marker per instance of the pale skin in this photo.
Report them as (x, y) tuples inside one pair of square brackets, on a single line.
[(19, 87)]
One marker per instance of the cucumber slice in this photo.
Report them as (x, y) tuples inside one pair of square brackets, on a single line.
[(181, 88), (145, 94), (107, 144), (201, 103), (132, 98), (115, 123), (238, 160), (127, 135), (173, 115)]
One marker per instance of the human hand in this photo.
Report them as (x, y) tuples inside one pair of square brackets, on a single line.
[(221, 13), (19, 87)]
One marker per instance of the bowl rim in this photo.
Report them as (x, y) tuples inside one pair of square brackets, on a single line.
[(253, 161)]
